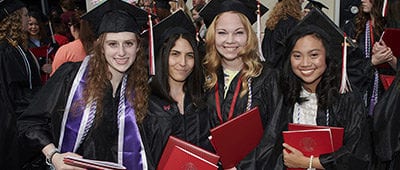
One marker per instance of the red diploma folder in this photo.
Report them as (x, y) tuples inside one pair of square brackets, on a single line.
[(391, 36), (337, 132), (40, 51), (92, 164), (181, 159), (178, 153), (236, 138), (313, 140)]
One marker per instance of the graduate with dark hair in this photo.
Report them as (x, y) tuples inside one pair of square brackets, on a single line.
[(19, 78), (314, 94), (176, 104), (91, 109)]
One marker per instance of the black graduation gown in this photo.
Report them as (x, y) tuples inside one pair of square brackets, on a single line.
[(15, 96), (40, 124), (386, 129), (361, 71), (274, 41), (265, 95), (164, 119), (347, 112)]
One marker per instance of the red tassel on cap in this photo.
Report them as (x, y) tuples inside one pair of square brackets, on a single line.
[(345, 85), (152, 68)]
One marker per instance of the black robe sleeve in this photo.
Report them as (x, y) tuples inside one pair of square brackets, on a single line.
[(386, 129), (356, 151), (157, 126), (39, 125), (273, 41), (17, 88)]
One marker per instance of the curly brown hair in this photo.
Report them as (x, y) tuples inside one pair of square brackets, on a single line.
[(282, 10), (376, 13), (252, 66), (11, 27), (99, 77)]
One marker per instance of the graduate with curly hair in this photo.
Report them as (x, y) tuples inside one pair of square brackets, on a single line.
[(92, 109)]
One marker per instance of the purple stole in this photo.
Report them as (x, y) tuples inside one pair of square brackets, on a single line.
[(77, 122)]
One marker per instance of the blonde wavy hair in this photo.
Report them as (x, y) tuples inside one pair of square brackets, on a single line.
[(11, 27), (282, 10), (252, 66), (97, 82)]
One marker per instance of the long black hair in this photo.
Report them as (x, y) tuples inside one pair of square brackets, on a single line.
[(328, 89), (194, 83)]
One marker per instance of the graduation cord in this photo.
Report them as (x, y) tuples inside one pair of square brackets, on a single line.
[(233, 103), (369, 41), (250, 97), (26, 62)]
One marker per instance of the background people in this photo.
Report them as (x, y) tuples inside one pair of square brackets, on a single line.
[(19, 79)]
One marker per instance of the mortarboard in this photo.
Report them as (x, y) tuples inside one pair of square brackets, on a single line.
[(246, 7), (317, 21), (315, 4), (9, 6), (176, 23), (116, 16)]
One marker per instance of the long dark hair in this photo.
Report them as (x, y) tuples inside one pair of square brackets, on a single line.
[(193, 84), (362, 18), (328, 89)]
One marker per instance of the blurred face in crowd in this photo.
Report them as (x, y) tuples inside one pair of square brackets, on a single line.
[(230, 36), (366, 6), (308, 61), (120, 51), (33, 26), (181, 61)]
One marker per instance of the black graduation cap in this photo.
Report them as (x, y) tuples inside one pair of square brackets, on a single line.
[(176, 23), (9, 6), (317, 21), (116, 16), (246, 7), (315, 4)]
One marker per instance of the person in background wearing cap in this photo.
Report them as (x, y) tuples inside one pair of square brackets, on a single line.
[(19, 78), (90, 109), (285, 15), (233, 66), (177, 105), (311, 82)]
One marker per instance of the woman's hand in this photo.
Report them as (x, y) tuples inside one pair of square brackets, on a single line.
[(381, 53), (58, 161), (293, 158)]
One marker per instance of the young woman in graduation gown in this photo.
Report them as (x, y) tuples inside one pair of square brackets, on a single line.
[(366, 31), (176, 104), (310, 82), (19, 78), (91, 109), (235, 78)]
